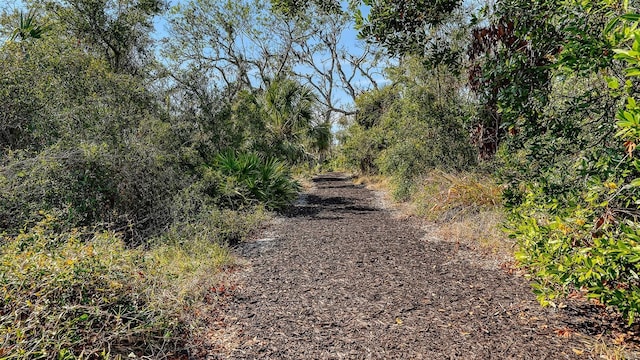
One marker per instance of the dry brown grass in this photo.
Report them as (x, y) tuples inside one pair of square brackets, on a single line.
[(375, 182), (600, 348), (483, 229), (466, 207), (444, 196)]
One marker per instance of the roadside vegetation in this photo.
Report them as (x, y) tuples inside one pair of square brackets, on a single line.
[(126, 175)]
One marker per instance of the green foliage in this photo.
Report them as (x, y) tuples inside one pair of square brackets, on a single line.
[(125, 190), (588, 247), (361, 147), (118, 31), (63, 297), (248, 179), (569, 167), (54, 91), (293, 8), (403, 26), (407, 129), (372, 105), (321, 138), (28, 28), (288, 107), (83, 142)]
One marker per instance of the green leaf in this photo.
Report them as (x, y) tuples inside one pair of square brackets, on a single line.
[(630, 17), (611, 25)]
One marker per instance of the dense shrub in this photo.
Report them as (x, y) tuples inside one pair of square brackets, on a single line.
[(247, 179), (407, 129), (53, 91), (127, 190), (360, 148), (81, 141), (65, 298), (84, 294), (569, 167)]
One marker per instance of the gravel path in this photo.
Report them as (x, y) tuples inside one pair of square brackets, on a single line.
[(341, 278)]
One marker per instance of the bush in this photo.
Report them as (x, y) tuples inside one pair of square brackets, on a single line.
[(81, 294), (66, 298), (574, 188), (407, 129), (582, 247), (360, 149), (54, 90), (197, 215), (125, 190), (246, 179)]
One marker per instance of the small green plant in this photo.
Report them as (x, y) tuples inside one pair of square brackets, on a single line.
[(28, 28), (249, 180)]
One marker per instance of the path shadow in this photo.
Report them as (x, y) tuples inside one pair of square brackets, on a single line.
[(328, 179), (329, 200), (347, 186), (357, 209), (302, 211), (331, 207), (597, 320), (311, 205)]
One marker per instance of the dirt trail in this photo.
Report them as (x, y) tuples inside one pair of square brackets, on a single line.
[(342, 278)]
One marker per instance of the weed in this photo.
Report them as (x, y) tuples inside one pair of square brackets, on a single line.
[(66, 298), (83, 294), (443, 196)]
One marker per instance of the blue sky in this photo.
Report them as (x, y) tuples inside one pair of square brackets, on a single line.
[(348, 39)]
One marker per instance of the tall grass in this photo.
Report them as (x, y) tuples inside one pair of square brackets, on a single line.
[(442, 196), (467, 207)]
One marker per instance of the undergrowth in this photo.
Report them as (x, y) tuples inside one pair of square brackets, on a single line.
[(466, 206), (85, 294)]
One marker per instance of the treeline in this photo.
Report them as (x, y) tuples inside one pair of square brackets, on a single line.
[(542, 95)]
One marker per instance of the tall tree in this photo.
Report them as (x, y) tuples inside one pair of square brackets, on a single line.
[(119, 30), (235, 45), (404, 26)]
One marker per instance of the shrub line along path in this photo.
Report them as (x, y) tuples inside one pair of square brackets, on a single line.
[(343, 278)]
